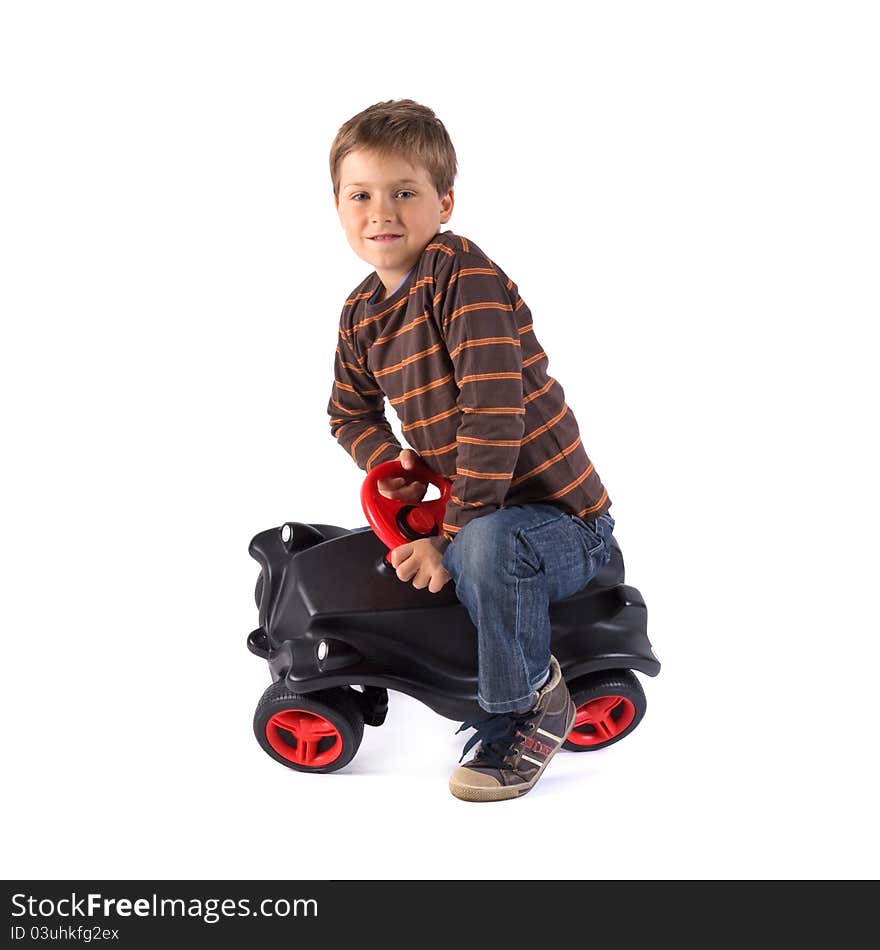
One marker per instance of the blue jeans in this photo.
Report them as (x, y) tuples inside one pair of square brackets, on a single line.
[(508, 567)]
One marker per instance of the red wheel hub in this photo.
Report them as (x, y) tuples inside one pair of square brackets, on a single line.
[(601, 719), (304, 738), (420, 521)]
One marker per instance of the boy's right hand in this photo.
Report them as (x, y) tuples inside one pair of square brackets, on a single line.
[(400, 488)]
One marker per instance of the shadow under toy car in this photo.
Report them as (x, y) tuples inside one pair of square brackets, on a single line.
[(339, 629)]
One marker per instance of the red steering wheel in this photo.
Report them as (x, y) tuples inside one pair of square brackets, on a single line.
[(396, 522)]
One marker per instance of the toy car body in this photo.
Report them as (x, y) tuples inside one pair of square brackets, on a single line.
[(339, 629)]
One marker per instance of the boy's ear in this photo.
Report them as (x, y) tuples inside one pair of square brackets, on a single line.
[(446, 204)]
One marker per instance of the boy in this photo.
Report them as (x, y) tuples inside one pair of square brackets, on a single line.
[(441, 331)]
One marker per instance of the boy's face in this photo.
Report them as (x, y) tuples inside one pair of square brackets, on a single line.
[(389, 196)]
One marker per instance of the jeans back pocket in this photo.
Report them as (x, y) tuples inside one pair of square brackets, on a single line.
[(596, 537)]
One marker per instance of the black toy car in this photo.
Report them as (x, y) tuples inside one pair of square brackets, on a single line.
[(339, 629)]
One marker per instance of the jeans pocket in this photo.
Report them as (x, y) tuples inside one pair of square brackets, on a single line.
[(590, 535), (596, 538), (605, 525)]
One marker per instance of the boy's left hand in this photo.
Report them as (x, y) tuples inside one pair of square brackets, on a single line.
[(422, 561)]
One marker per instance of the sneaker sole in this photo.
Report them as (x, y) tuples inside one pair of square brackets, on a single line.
[(478, 793)]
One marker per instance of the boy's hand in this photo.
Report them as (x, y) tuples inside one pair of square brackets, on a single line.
[(422, 561), (400, 488)]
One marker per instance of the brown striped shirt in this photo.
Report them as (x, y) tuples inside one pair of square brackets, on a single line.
[(454, 352)]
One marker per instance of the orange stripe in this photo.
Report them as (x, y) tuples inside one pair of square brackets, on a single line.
[(470, 271), (519, 303), (361, 438), (450, 528), (479, 376), (377, 453), (547, 425), (348, 346), (441, 451), (441, 247), (467, 504), (526, 328), (482, 305), (362, 392), (487, 341), (596, 507), (396, 306), (539, 392), (547, 464), (496, 411), (534, 359), (465, 246), (421, 423), (492, 476), (472, 441), (353, 300), (404, 329), (574, 484), (463, 272), (422, 389), (410, 359), (353, 368), (368, 320), (350, 412)]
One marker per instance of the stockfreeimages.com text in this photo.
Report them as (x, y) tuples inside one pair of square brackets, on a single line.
[(208, 909)]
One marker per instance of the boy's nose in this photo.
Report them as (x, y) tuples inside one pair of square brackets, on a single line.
[(382, 210)]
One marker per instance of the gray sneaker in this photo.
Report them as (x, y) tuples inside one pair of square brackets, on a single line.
[(515, 747)]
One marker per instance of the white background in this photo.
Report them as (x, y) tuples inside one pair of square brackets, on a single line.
[(687, 197)]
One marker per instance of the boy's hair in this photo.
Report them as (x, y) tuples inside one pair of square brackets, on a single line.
[(402, 127)]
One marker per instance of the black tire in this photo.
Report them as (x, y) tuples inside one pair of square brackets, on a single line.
[(258, 590), (332, 719), (624, 707)]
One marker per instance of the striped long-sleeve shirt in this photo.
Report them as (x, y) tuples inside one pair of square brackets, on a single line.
[(454, 352)]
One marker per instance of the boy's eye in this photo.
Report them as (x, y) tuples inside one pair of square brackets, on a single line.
[(362, 194)]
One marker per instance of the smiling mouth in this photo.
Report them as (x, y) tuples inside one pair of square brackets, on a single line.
[(386, 237)]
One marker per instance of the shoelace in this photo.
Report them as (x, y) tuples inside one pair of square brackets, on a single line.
[(497, 734)]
